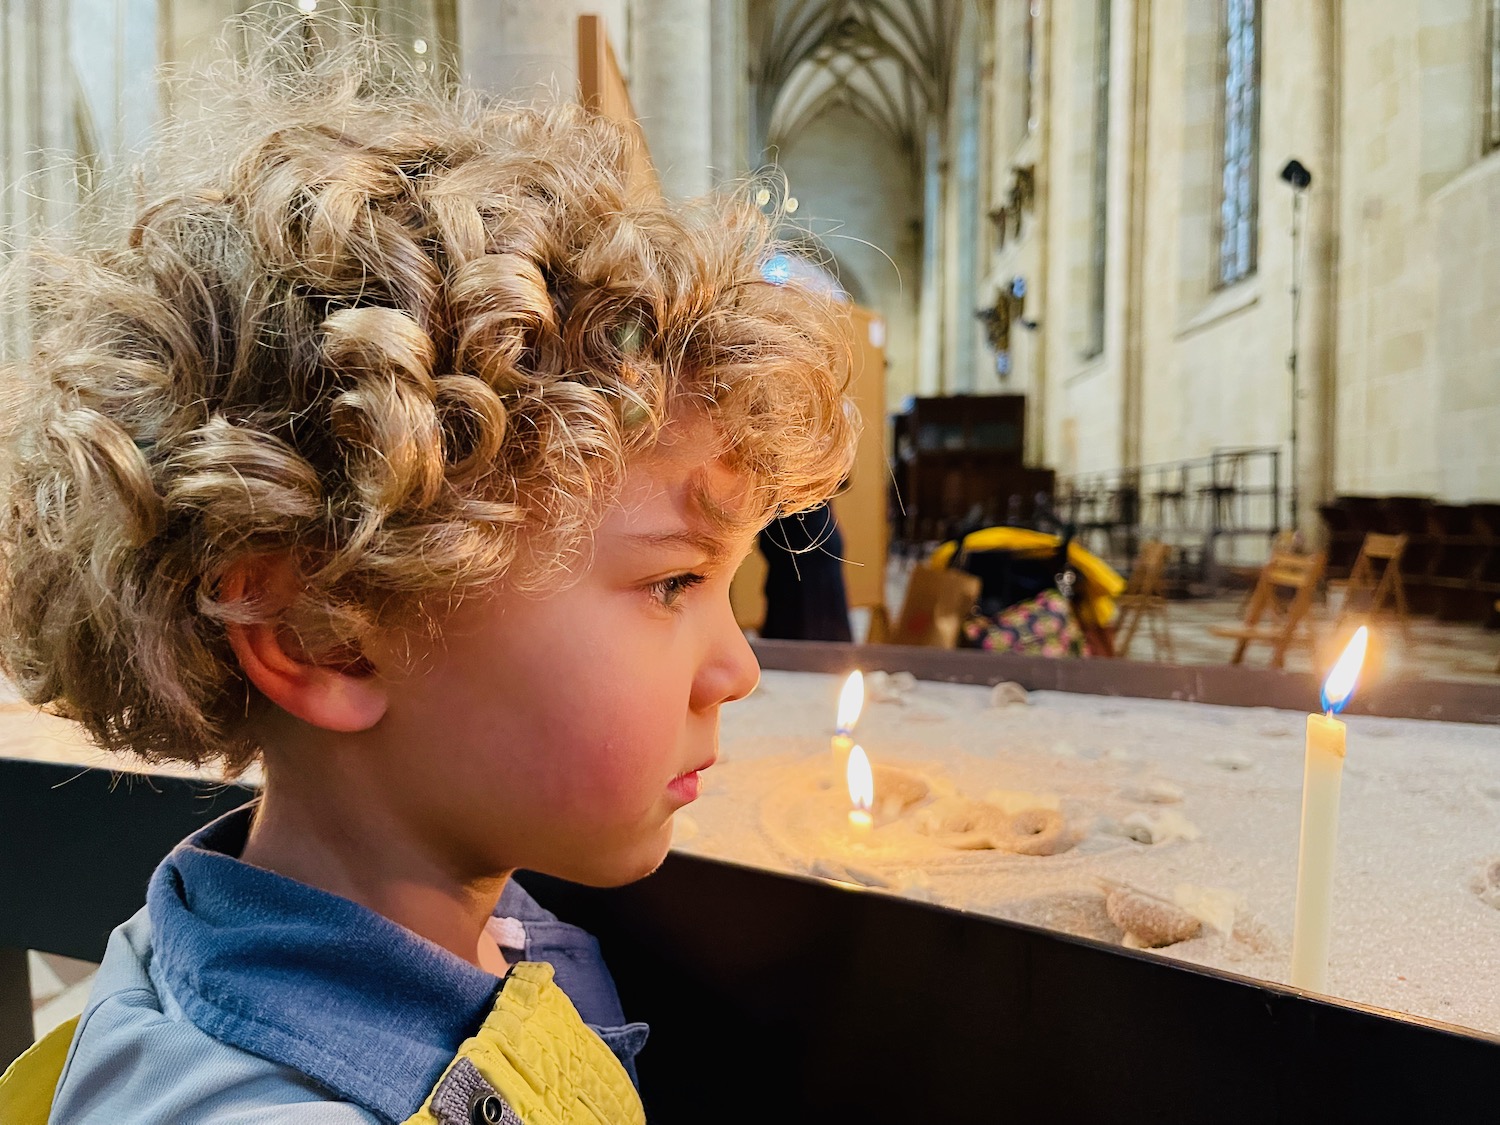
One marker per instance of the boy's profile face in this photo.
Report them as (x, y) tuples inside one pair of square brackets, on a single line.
[(559, 733)]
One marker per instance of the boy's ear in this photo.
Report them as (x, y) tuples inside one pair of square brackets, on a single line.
[(337, 695)]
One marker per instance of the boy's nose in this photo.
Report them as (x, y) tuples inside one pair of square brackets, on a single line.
[(731, 670)]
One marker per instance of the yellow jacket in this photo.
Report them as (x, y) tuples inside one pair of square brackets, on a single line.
[(532, 1062)]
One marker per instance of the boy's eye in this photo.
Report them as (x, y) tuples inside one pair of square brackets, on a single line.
[(669, 590)]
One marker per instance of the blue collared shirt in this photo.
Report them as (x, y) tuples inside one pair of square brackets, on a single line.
[(238, 992)]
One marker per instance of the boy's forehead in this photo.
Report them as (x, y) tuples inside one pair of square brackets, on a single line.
[(683, 490), (686, 464), (692, 484)]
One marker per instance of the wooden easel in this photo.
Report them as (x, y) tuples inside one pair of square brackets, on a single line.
[(861, 507)]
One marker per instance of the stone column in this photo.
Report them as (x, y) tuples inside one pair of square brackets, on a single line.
[(1132, 422), (672, 86), (962, 269), (528, 48), (731, 105), (930, 298), (1322, 336)]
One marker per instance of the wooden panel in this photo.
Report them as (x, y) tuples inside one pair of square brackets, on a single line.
[(961, 456), (861, 510), (602, 88), (747, 593)]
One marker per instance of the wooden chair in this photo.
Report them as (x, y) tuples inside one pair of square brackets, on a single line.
[(936, 605), (1366, 592), (1278, 607), (1145, 599), (1282, 543)]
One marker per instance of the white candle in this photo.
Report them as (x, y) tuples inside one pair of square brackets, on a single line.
[(861, 781), (1322, 775), (851, 703)]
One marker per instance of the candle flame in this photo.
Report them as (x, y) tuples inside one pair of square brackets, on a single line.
[(861, 780), (1339, 685), (851, 701)]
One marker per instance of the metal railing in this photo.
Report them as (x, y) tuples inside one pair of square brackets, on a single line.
[(1216, 512)]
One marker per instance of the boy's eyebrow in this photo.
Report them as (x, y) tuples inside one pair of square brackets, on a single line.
[(711, 545)]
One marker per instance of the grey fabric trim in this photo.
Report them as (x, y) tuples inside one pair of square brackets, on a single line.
[(453, 1101), (626, 1041)]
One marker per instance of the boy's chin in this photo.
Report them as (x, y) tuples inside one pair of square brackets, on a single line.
[(621, 868)]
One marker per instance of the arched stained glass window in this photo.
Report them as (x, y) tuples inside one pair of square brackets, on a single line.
[(1492, 67), (1240, 128), (1099, 209)]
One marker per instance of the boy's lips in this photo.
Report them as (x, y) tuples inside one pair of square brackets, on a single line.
[(686, 786)]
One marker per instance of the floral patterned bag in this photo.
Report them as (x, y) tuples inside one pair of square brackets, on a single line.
[(1040, 626)]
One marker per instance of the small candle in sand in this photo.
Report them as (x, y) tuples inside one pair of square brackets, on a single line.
[(851, 703), (861, 779), (1322, 776)]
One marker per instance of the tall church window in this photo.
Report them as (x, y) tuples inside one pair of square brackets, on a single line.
[(1098, 255), (1492, 51), (1033, 16), (1239, 200)]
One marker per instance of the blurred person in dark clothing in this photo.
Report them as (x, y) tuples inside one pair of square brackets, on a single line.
[(805, 596)]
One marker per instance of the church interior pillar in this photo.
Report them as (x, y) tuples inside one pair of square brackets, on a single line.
[(930, 309), (1132, 421), (672, 87), (730, 90), (530, 47), (1321, 340)]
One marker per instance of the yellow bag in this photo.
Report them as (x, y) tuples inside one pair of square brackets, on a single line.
[(28, 1084)]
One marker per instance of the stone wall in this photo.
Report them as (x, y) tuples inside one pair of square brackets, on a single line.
[(1017, 102), (1419, 287), (858, 199), (1399, 334)]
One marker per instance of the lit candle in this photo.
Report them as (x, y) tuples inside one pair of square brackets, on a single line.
[(861, 781), (1323, 770), (851, 702)]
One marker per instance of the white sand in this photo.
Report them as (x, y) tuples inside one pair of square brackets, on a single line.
[(1419, 824)]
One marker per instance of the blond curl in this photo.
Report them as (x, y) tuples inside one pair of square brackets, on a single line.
[(409, 339)]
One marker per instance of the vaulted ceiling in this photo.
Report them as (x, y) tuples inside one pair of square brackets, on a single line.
[(889, 60)]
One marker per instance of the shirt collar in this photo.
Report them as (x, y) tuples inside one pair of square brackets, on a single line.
[(316, 982)]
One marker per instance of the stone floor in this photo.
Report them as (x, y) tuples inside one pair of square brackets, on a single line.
[(59, 989), (1438, 650)]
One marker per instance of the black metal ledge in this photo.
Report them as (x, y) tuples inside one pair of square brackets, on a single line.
[(786, 999), (1231, 685), (774, 998)]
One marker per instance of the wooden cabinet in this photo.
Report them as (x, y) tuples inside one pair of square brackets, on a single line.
[(960, 462)]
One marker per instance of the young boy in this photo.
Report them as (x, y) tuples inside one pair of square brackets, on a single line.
[(396, 445)]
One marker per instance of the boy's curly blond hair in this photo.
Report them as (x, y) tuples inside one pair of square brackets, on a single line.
[(390, 333)]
